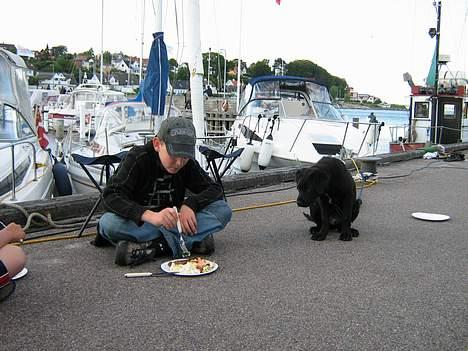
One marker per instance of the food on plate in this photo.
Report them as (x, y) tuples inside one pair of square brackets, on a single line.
[(194, 265)]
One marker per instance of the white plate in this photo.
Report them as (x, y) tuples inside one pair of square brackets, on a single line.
[(433, 217), (166, 267), (21, 274)]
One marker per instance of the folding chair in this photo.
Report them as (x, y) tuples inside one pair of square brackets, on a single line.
[(213, 155), (107, 161)]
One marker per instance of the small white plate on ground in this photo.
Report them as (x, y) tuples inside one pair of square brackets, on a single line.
[(21, 274), (433, 217)]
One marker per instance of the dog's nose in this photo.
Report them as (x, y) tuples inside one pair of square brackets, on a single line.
[(301, 203)]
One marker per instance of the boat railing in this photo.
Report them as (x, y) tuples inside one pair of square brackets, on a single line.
[(347, 124), (13, 174), (401, 132)]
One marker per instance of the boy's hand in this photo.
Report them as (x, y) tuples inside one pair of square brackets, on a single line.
[(188, 220), (166, 218), (15, 232)]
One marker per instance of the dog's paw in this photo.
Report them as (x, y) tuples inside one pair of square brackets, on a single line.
[(346, 236), (354, 232), (316, 235), (313, 230)]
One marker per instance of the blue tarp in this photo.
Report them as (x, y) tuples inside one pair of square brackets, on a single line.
[(157, 74)]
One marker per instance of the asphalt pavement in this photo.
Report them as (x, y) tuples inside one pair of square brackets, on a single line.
[(400, 285)]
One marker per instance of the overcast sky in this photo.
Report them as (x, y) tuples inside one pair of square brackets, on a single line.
[(370, 43)]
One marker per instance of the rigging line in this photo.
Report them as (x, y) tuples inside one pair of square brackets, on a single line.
[(177, 34), (215, 18)]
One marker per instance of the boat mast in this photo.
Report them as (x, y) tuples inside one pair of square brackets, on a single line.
[(196, 68), (142, 38), (239, 60), (436, 76), (439, 8), (102, 39)]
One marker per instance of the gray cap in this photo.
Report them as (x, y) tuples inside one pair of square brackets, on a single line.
[(179, 136)]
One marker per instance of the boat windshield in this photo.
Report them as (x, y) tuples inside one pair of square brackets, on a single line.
[(12, 125), (124, 117), (288, 99), (15, 107)]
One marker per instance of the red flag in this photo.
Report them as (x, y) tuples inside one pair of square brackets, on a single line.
[(41, 132), (278, 2)]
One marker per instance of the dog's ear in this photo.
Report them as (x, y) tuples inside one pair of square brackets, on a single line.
[(320, 180), (299, 174)]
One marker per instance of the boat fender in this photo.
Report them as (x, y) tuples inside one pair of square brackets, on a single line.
[(246, 158), (372, 134), (62, 181), (266, 150)]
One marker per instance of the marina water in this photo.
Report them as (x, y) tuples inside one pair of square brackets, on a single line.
[(391, 118)]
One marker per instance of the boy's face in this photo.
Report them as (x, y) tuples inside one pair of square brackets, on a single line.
[(170, 163)]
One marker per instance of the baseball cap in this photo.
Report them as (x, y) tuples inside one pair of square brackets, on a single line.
[(179, 135)]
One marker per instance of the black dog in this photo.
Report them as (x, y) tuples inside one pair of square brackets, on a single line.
[(328, 189)]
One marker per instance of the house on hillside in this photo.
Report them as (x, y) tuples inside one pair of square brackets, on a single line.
[(121, 65), (181, 87)]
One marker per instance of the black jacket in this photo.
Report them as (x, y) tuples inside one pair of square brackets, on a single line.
[(141, 182)]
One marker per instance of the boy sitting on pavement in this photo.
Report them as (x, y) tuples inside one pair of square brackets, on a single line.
[(148, 183), (12, 258)]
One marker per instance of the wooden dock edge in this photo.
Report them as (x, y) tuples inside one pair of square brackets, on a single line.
[(79, 205)]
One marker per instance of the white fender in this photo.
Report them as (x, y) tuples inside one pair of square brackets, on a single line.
[(266, 150), (246, 157), (372, 134)]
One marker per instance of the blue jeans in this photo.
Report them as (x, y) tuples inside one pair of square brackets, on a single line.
[(211, 219)]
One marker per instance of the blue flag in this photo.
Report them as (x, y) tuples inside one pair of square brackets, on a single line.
[(157, 74)]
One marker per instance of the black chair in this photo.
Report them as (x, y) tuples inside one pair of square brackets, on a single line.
[(106, 161), (213, 155)]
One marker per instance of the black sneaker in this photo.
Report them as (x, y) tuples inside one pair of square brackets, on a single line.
[(204, 247), (129, 253), (99, 240)]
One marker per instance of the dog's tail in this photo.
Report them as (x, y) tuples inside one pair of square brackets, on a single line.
[(306, 215)]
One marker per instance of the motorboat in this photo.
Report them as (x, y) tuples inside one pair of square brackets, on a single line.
[(287, 120), (84, 101), (120, 126), (26, 172)]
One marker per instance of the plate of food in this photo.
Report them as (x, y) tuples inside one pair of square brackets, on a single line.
[(189, 267)]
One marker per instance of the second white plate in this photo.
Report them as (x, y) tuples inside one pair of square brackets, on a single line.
[(433, 217)]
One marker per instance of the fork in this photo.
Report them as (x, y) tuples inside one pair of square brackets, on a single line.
[(185, 251)]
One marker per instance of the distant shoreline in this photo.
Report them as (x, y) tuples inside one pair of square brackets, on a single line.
[(366, 107)]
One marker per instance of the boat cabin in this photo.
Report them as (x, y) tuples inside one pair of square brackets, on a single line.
[(441, 118)]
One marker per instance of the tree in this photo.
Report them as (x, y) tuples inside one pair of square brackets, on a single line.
[(260, 68), (107, 57), (308, 69), (88, 54), (183, 72), (280, 65), (58, 51)]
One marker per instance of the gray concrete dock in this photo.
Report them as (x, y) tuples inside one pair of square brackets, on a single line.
[(401, 285)]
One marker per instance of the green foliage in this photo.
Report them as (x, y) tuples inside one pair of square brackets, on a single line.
[(32, 80), (107, 57), (308, 69), (260, 68), (64, 65), (183, 73), (58, 51)]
